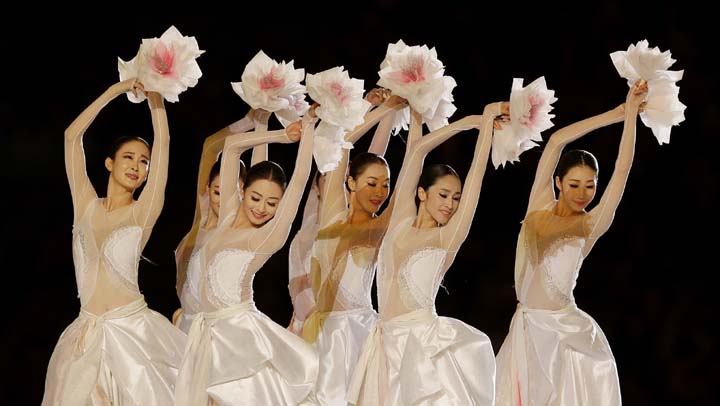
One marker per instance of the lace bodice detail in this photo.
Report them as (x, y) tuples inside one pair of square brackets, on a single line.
[(228, 281), (110, 244), (343, 264), (550, 254)]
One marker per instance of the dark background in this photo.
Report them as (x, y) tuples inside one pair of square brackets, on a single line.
[(647, 282)]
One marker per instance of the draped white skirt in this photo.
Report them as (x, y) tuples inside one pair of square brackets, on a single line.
[(556, 357), (422, 359), (239, 356), (129, 356), (338, 345)]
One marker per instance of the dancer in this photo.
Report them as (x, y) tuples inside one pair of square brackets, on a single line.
[(412, 355), (117, 352), (556, 354), (235, 353)]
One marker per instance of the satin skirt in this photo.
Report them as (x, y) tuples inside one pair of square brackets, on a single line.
[(239, 356), (338, 345), (422, 359), (129, 356), (184, 322), (556, 357)]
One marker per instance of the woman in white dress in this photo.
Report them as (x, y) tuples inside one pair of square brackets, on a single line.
[(236, 354), (117, 352), (207, 208), (556, 354), (344, 253), (414, 357)]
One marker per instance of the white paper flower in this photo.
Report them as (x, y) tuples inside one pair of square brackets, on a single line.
[(274, 87), (663, 109), (168, 65), (415, 74), (530, 108), (129, 70), (641, 62), (340, 97), (328, 142)]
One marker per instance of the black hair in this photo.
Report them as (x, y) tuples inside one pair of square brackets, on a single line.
[(431, 174), (267, 170), (119, 142), (361, 162)]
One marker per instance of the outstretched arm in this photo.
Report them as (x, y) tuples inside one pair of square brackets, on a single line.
[(333, 193), (260, 152), (212, 147), (404, 195), (152, 198), (81, 189), (543, 192), (279, 226), (235, 145), (602, 215), (459, 225)]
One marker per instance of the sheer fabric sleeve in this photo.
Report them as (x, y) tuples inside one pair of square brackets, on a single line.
[(151, 200), (334, 199), (81, 189), (235, 145), (275, 233), (601, 216), (543, 192), (458, 226), (409, 177)]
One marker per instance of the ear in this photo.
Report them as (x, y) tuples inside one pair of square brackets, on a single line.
[(241, 192), (108, 164), (351, 183), (422, 195), (558, 183)]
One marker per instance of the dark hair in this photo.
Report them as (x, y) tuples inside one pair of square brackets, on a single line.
[(215, 171), (361, 162), (119, 142), (431, 174), (267, 170), (573, 158)]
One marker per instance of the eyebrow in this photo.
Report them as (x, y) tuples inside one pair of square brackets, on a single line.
[(133, 154), (579, 180), (260, 195)]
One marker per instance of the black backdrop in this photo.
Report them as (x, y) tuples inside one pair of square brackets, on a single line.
[(646, 281)]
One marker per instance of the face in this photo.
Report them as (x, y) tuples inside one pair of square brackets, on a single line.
[(261, 201), (442, 198), (577, 188), (371, 188), (129, 168)]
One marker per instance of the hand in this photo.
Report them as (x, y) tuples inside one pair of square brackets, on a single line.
[(259, 115), (395, 101), (311, 110), (294, 131), (138, 87), (377, 96), (637, 93)]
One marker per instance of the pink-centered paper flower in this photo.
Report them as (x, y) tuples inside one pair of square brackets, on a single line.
[(274, 87), (530, 108), (415, 74)]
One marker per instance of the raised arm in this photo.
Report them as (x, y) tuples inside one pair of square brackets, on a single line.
[(278, 228), (458, 227), (152, 198), (404, 195), (81, 189), (260, 152), (333, 193), (235, 145), (602, 215), (543, 192), (212, 147)]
